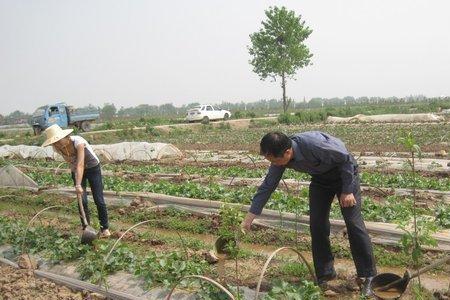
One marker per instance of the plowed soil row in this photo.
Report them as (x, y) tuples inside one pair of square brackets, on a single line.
[(22, 284)]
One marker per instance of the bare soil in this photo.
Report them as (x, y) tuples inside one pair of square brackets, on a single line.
[(377, 149), (22, 284), (249, 268)]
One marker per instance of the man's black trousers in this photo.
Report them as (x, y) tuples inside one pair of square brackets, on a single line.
[(322, 190)]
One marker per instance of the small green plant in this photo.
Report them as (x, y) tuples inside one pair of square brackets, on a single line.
[(150, 129), (237, 114), (108, 125), (250, 114), (442, 213), (90, 267), (288, 291), (287, 119), (173, 219), (394, 209), (308, 116), (421, 232), (229, 232), (390, 256), (412, 242), (433, 165), (229, 228), (66, 249), (210, 292), (168, 268), (224, 126), (420, 293), (290, 269)]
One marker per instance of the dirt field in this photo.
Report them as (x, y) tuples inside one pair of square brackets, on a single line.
[(22, 284)]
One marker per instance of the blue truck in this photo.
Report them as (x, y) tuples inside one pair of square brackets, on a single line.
[(63, 115)]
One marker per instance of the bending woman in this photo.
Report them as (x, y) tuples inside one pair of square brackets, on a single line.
[(85, 166)]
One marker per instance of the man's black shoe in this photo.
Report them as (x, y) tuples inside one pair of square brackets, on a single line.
[(366, 291), (322, 281)]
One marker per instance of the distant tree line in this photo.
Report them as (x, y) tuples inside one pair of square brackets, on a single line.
[(269, 106), (16, 117), (250, 109)]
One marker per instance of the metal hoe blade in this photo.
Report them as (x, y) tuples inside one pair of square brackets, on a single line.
[(391, 286)]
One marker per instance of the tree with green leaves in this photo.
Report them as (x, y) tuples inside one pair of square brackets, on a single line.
[(108, 112), (277, 49)]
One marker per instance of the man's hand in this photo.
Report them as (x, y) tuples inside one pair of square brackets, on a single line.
[(347, 200), (247, 223), (79, 190)]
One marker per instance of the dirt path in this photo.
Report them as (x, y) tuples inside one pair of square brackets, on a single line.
[(254, 147), (235, 124), (379, 163), (22, 284)]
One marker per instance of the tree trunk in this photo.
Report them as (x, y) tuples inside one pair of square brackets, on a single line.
[(283, 86)]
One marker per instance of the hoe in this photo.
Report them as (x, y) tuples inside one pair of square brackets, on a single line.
[(89, 234)]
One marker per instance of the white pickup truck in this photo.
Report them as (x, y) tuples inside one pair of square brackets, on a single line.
[(205, 113)]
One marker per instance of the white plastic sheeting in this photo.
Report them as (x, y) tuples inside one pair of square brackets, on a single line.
[(10, 176), (23, 151), (126, 151), (389, 118), (137, 151)]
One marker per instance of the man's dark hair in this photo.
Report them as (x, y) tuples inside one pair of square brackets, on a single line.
[(275, 144)]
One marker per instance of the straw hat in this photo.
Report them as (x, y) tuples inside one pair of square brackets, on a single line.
[(54, 133)]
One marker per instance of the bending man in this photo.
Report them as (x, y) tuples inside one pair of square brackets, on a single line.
[(334, 172)]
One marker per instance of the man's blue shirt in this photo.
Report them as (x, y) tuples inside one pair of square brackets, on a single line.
[(315, 153)]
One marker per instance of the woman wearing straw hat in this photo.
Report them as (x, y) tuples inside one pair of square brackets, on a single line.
[(85, 166)]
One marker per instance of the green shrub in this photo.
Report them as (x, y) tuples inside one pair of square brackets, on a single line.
[(151, 130), (237, 115), (250, 114), (288, 291), (168, 268), (287, 119), (442, 212), (90, 267)]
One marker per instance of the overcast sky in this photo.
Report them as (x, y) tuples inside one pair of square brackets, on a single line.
[(133, 52)]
